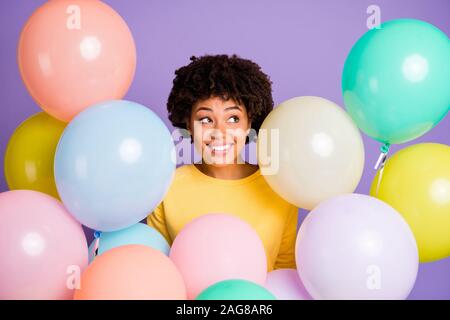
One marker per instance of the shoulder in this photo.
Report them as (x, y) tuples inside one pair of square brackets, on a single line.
[(184, 172), (183, 176), (184, 169), (265, 189)]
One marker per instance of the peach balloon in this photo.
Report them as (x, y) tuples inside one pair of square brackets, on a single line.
[(73, 54), (131, 272), (217, 247)]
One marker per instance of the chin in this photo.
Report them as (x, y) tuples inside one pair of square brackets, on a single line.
[(221, 164), (216, 161)]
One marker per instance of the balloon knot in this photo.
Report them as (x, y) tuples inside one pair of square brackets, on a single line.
[(385, 147), (383, 155)]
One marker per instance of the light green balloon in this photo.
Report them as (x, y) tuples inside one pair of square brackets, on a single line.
[(235, 290), (396, 80)]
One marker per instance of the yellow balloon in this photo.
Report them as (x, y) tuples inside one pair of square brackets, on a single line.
[(416, 182), (30, 153)]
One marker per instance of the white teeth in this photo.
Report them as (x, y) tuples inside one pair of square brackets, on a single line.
[(221, 148)]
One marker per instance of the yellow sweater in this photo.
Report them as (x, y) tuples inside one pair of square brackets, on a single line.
[(193, 194)]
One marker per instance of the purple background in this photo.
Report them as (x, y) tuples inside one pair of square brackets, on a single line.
[(302, 45)]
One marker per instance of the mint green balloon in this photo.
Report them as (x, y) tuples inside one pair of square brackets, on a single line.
[(235, 290), (396, 80)]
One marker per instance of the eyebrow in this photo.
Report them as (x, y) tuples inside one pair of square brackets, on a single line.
[(226, 109), (233, 108)]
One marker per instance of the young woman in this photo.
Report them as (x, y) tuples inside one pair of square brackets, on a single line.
[(219, 99)]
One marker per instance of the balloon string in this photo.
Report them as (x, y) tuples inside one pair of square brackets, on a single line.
[(97, 235), (380, 164)]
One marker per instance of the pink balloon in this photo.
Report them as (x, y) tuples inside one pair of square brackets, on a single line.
[(218, 247), (355, 246), (75, 53), (42, 248), (285, 284)]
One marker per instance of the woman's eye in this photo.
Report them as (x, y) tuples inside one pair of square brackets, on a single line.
[(205, 120), (233, 119)]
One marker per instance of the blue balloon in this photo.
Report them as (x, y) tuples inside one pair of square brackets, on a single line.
[(114, 164), (136, 234)]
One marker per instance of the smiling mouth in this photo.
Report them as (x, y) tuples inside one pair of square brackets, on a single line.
[(220, 149)]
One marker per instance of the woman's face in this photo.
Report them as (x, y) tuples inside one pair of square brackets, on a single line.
[(219, 129)]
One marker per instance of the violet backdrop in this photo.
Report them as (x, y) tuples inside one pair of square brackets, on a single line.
[(302, 45)]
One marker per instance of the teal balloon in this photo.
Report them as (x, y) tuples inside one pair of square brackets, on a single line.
[(235, 290), (396, 80), (136, 234)]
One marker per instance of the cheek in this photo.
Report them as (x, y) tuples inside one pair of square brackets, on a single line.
[(199, 139), (240, 136), (241, 132), (198, 132)]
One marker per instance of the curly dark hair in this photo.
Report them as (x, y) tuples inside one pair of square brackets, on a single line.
[(227, 77)]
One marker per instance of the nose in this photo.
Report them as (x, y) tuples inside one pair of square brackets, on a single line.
[(219, 130)]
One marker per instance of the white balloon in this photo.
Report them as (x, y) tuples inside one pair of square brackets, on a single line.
[(355, 246), (310, 150)]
